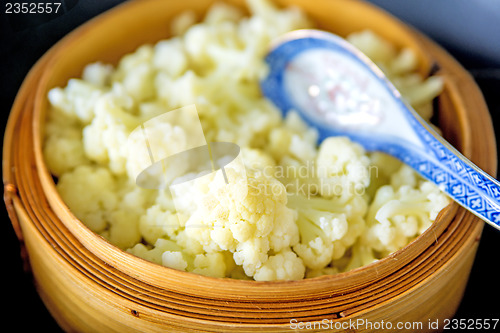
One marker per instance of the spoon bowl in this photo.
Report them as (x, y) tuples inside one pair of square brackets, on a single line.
[(340, 91)]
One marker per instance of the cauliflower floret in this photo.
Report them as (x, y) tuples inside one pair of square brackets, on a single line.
[(77, 99), (399, 214), (426, 90), (284, 233), (158, 223), (342, 168), (251, 254), (295, 139), (405, 176), (377, 49), (123, 228), (259, 119), (294, 146), (316, 254), (196, 41), (152, 143), (156, 253), (90, 193), (182, 22), (248, 217), (236, 48), (176, 92), (103, 201), (258, 160), (296, 210), (210, 264), (382, 167), (64, 152), (105, 138), (332, 226), (327, 227), (233, 54), (190, 246), (276, 21), (282, 266), (135, 73), (171, 254), (169, 57), (361, 255), (221, 12), (98, 74), (318, 230), (174, 259), (63, 147)]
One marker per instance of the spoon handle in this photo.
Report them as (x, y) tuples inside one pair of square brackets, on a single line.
[(455, 175)]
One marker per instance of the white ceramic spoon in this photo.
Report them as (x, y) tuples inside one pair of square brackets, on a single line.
[(338, 90)]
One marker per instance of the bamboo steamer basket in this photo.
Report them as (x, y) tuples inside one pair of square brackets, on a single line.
[(89, 285)]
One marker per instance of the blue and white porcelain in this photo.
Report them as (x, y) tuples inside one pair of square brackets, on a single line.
[(338, 90)]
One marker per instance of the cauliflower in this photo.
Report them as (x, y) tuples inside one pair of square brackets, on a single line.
[(294, 146), (295, 139), (342, 168), (185, 89), (377, 49), (282, 266), (251, 254), (221, 12), (63, 147), (109, 205), (135, 73), (248, 218), (163, 251), (361, 255), (316, 253), (77, 100), (98, 74), (159, 138), (210, 264), (257, 159), (170, 57), (158, 223), (400, 213), (382, 167), (273, 21), (284, 209), (176, 250), (174, 259), (326, 227), (90, 193), (105, 138)]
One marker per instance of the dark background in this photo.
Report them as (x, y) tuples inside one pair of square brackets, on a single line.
[(468, 29)]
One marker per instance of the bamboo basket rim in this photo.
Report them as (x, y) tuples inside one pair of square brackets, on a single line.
[(113, 256)]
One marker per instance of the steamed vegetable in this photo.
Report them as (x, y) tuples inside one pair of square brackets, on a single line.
[(292, 209)]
